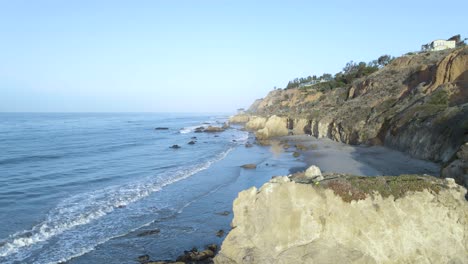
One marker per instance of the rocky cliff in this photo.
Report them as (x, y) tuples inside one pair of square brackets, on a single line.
[(417, 104), (349, 219)]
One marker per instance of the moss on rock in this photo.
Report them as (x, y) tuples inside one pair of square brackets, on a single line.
[(353, 188)]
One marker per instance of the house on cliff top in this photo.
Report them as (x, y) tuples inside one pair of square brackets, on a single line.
[(441, 44)]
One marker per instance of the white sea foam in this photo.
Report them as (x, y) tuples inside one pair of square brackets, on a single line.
[(82, 209), (190, 129)]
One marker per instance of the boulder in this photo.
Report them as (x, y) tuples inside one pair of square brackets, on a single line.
[(296, 154), (225, 213), (313, 173), (220, 233), (175, 147), (191, 142), (194, 256), (199, 130), (275, 126), (248, 145), (212, 247)]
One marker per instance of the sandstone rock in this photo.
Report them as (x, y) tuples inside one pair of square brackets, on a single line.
[(313, 173), (416, 219), (213, 129), (239, 119), (458, 167), (249, 166), (418, 104), (255, 123), (274, 127), (300, 126)]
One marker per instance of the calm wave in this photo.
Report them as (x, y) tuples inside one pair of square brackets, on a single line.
[(70, 182)]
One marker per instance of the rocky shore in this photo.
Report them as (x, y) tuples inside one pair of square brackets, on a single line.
[(418, 104), (340, 218)]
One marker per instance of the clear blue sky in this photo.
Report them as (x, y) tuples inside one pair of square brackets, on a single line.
[(195, 56)]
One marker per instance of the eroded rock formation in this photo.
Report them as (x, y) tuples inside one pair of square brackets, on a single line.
[(418, 104), (345, 219)]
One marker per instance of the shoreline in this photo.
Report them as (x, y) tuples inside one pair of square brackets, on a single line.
[(360, 160)]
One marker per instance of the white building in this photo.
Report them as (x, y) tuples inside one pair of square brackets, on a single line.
[(439, 44)]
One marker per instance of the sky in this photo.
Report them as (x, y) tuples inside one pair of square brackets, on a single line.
[(199, 55)]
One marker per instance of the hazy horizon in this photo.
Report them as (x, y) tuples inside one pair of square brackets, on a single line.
[(186, 56)]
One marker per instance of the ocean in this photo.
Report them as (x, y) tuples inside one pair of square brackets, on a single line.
[(101, 188)]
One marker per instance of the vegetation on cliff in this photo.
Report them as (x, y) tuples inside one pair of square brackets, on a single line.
[(417, 104), (350, 72)]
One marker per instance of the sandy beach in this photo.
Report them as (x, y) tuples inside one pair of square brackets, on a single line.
[(332, 156)]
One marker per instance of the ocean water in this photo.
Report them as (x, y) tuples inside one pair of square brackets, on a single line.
[(101, 188)]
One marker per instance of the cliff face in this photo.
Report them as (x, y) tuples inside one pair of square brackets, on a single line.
[(417, 104), (347, 219)]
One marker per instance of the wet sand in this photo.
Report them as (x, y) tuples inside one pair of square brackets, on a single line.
[(332, 156)]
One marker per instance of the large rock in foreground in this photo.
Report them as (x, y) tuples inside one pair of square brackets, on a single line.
[(344, 219)]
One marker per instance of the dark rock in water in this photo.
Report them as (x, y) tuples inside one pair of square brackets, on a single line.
[(205, 254), (216, 136), (296, 154), (234, 140), (197, 257), (212, 247), (199, 129), (121, 206), (194, 256), (191, 142), (161, 128), (300, 147), (220, 233), (249, 166), (225, 126), (248, 145), (175, 147), (193, 138), (143, 259), (224, 213), (149, 232)]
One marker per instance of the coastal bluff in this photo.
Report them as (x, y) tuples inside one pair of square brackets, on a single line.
[(417, 104), (349, 219)]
